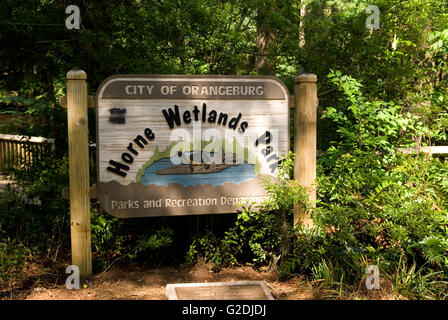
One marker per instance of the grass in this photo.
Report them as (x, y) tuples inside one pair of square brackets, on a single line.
[(419, 283), (407, 282)]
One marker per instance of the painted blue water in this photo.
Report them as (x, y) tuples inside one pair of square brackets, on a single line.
[(234, 174)]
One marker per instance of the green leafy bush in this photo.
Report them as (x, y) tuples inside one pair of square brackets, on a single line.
[(34, 216), (261, 234), (375, 205), (12, 258), (32, 209), (115, 240)]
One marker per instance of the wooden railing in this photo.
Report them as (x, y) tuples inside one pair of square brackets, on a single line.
[(20, 151), (433, 150)]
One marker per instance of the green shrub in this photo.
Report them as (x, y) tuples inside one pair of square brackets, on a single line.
[(117, 240), (34, 215), (261, 234), (32, 209), (376, 206), (419, 282), (401, 214), (12, 258)]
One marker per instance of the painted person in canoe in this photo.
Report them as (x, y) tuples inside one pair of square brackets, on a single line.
[(188, 166)]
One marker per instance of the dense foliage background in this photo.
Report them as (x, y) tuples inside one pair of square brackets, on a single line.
[(379, 90)]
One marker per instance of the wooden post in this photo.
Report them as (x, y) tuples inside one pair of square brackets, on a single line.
[(2, 154), (305, 91), (78, 152)]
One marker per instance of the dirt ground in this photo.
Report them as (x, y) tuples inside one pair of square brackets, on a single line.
[(150, 284), (136, 283)]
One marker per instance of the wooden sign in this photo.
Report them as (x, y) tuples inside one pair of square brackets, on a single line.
[(180, 145)]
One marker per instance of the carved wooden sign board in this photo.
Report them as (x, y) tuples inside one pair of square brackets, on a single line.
[(179, 145)]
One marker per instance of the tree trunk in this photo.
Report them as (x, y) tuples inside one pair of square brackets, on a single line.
[(54, 123), (302, 24), (265, 60)]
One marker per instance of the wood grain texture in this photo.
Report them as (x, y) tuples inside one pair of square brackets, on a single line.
[(124, 112), (113, 139), (79, 171), (305, 91), (91, 101)]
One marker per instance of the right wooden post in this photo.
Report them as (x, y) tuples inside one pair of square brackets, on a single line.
[(305, 123)]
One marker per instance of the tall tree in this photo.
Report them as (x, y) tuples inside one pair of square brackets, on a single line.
[(265, 60)]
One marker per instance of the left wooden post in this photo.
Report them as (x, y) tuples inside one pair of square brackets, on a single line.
[(78, 153)]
